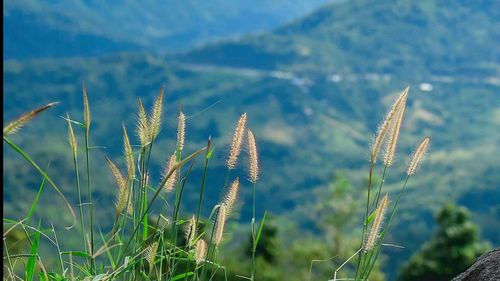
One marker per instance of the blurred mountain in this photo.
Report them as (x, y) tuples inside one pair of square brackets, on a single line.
[(49, 28), (314, 90)]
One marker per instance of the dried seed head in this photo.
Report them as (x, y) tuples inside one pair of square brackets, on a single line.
[(219, 224), (122, 195), (170, 182), (386, 124), (418, 155), (200, 251), (253, 163), (150, 253), (191, 231), (156, 116), (181, 126), (15, 125), (377, 224), (86, 110), (128, 154), (71, 137), (231, 195), (142, 125), (237, 142), (392, 140)]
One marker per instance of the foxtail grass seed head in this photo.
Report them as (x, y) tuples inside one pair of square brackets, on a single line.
[(15, 125), (386, 124), (237, 142), (71, 136), (181, 127), (156, 116), (191, 231), (128, 154), (377, 224), (142, 125), (200, 251), (170, 182), (418, 156), (253, 158), (232, 195), (219, 224), (122, 194), (392, 140), (150, 253), (86, 110)]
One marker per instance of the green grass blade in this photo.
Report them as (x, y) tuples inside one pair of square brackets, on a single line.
[(260, 231), (182, 275), (30, 266), (33, 205)]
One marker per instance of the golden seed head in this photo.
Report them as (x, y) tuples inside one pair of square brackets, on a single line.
[(122, 195), (128, 154), (392, 140), (191, 231), (156, 116), (232, 195), (200, 251), (71, 137), (170, 182), (142, 125), (253, 158), (219, 224), (150, 253), (181, 126), (386, 124), (15, 125), (418, 156), (377, 224), (237, 142), (86, 110)]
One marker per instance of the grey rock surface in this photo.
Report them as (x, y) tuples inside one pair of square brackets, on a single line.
[(486, 268)]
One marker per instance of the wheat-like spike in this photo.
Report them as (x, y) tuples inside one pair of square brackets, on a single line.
[(200, 251), (142, 125), (232, 195), (15, 125), (384, 127), (156, 116), (392, 140), (169, 184), (418, 155), (181, 131), (128, 154), (237, 142), (71, 137), (150, 253), (377, 224), (219, 224), (190, 231), (122, 195), (253, 158), (86, 110)]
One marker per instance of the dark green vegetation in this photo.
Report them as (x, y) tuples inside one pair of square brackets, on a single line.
[(85, 28), (307, 125), (451, 251)]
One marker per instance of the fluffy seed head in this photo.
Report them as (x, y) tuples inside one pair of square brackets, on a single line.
[(237, 142), (377, 224), (122, 195), (156, 116), (200, 251), (15, 125), (71, 137), (392, 140), (170, 182), (150, 253), (142, 125), (384, 127), (86, 110), (191, 231), (418, 156), (128, 154), (219, 224), (181, 126), (231, 195), (253, 158)]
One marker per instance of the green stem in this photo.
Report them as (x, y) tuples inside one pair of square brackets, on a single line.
[(254, 247), (77, 179), (91, 203)]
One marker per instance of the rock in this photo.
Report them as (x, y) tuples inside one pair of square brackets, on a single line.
[(486, 268)]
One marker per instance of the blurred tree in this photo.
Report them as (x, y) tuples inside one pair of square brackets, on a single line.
[(452, 250)]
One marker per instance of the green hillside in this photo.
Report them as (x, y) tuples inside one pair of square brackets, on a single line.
[(314, 91)]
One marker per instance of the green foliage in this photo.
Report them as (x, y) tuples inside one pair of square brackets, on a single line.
[(451, 251)]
